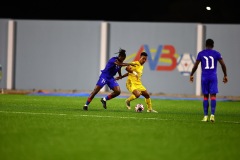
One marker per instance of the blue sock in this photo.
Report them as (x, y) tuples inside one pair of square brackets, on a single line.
[(205, 107), (108, 97), (88, 101), (213, 106)]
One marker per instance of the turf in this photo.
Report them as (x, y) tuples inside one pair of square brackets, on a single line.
[(56, 128)]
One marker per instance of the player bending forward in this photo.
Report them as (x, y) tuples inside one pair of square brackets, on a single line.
[(134, 83)]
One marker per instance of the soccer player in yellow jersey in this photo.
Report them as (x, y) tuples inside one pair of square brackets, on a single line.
[(134, 83)]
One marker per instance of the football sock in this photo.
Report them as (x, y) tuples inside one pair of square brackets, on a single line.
[(107, 98), (205, 106), (213, 105), (149, 103), (88, 101), (132, 97)]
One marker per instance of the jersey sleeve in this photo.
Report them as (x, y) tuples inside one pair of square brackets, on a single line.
[(133, 68), (219, 56), (199, 56)]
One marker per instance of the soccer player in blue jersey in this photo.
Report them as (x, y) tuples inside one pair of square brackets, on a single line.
[(112, 67), (209, 81)]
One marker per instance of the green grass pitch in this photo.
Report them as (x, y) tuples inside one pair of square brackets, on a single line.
[(56, 128)]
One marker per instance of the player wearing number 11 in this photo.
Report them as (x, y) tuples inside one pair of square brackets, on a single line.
[(209, 81)]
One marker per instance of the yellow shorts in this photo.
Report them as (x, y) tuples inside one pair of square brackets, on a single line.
[(132, 86)]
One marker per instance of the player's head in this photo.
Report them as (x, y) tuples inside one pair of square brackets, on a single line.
[(209, 43), (143, 58), (121, 55)]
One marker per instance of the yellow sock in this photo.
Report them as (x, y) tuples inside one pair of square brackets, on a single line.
[(149, 103), (132, 97)]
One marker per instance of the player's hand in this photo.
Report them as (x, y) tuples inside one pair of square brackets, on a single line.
[(117, 78), (225, 79), (191, 78)]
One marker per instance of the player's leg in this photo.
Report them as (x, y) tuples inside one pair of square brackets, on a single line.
[(91, 96), (148, 101), (100, 83), (135, 93), (205, 107), (205, 91), (113, 85), (213, 92), (213, 107), (116, 92)]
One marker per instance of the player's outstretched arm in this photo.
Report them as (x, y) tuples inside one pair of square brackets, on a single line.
[(124, 64)]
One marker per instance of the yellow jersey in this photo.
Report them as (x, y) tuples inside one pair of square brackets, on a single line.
[(139, 70)]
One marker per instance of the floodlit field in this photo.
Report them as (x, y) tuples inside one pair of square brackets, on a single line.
[(56, 128)]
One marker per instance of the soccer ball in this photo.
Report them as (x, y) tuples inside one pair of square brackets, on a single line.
[(139, 108)]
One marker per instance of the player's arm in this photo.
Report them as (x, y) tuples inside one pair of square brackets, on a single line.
[(194, 70), (120, 75), (130, 70), (123, 64), (123, 76), (224, 69)]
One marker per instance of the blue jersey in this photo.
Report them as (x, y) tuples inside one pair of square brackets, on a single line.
[(108, 73), (111, 68), (209, 59)]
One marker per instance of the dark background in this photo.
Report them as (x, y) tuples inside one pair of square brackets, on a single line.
[(223, 11)]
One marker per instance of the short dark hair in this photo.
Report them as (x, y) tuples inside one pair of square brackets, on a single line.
[(144, 54), (209, 43), (122, 52)]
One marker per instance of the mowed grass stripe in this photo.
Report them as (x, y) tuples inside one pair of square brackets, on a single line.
[(97, 116)]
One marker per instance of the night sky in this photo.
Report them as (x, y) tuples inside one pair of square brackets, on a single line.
[(222, 11)]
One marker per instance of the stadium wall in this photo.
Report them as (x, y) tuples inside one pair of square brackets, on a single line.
[(68, 55)]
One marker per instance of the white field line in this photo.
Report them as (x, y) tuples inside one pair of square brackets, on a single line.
[(117, 117), (33, 113), (97, 116), (79, 115)]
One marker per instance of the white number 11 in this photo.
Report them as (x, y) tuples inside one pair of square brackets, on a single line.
[(207, 62)]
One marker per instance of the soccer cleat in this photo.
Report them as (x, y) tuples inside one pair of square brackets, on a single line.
[(128, 104), (153, 111), (85, 108), (104, 103), (205, 119), (212, 119)]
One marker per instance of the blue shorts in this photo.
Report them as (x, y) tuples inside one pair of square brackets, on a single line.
[(209, 84), (111, 82)]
